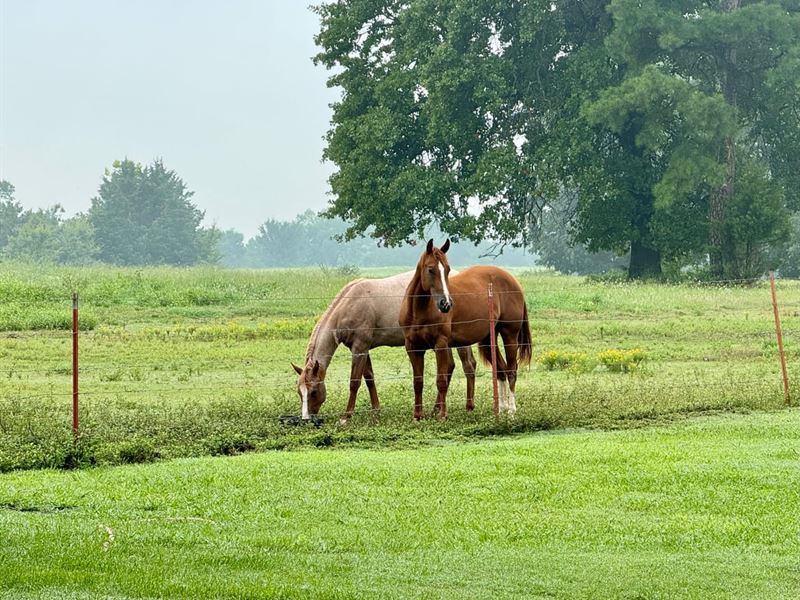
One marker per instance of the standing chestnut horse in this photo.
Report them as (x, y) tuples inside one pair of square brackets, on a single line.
[(440, 312)]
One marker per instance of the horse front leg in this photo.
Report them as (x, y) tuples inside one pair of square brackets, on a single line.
[(417, 358), (357, 366), (468, 364), (444, 371)]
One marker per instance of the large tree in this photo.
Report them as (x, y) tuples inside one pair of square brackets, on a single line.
[(144, 215), (476, 112), (735, 64)]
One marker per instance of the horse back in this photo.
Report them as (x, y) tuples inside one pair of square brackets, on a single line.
[(370, 311), (470, 291)]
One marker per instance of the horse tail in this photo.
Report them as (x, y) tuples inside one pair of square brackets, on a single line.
[(524, 342), (485, 350)]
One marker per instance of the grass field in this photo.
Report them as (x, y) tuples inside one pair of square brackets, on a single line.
[(601, 487), (703, 509), (191, 362)]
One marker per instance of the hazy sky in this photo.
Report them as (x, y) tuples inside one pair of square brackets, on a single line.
[(224, 92)]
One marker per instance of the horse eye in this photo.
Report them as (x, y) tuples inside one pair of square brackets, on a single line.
[(430, 270)]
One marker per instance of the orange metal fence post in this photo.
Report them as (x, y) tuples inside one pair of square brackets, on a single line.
[(779, 333), (75, 363), (494, 351)]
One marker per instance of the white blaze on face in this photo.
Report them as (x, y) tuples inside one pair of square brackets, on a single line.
[(445, 291), (304, 395)]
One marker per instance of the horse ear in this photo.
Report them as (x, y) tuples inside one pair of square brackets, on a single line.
[(429, 249), (445, 247), (315, 370), (297, 369)]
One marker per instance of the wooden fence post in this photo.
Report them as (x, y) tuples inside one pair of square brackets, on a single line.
[(493, 338), (779, 333)]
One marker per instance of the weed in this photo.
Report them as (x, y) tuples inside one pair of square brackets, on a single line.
[(578, 362), (621, 361), (137, 451)]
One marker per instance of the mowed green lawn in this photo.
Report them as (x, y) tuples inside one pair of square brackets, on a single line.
[(707, 508)]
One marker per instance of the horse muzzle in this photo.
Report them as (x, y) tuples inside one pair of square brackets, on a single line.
[(445, 305)]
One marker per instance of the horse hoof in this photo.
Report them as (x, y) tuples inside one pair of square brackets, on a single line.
[(343, 421)]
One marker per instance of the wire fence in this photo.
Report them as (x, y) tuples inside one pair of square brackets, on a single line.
[(29, 373)]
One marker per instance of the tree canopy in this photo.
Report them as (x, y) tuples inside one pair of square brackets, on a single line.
[(43, 235), (675, 123), (144, 215)]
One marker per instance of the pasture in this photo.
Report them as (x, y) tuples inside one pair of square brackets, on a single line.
[(625, 497), (191, 362)]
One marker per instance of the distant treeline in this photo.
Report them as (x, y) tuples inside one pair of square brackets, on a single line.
[(144, 215), (310, 240)]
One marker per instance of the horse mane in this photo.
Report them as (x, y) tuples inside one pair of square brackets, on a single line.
[(312, 341)]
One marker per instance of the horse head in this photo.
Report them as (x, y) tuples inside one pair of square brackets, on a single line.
[(433, 271), (310, 388)]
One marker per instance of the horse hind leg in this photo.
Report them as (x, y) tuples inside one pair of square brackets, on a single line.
[(468, 364), (369, 379), (485, 347), (502, 382), (511, 348)]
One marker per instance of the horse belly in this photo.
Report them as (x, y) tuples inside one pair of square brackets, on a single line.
[(391, 336), (470, 324)]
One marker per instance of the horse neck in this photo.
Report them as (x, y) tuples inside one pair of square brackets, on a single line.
[(420, 299), (323, 343)]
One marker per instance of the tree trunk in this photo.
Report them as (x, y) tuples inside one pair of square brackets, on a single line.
[(719, 250), (645, 262)]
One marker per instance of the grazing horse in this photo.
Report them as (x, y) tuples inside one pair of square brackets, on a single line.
[(362, 316), (443, 310)]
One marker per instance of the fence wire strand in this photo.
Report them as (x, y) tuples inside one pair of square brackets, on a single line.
[(104, 380)]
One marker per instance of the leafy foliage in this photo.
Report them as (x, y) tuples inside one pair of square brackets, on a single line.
[(144, 215), (43, 235), (478, 113)]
